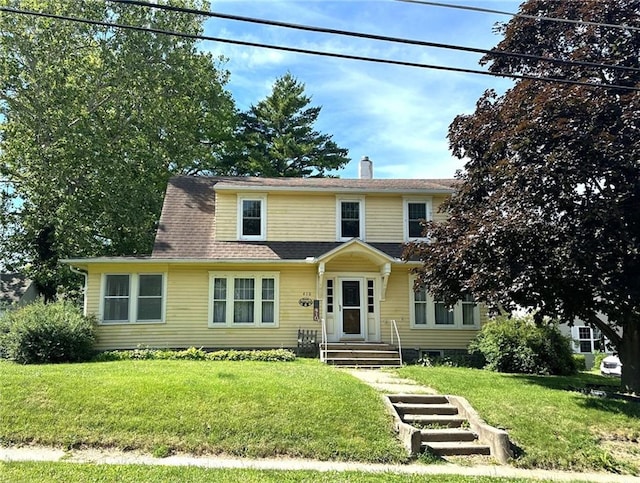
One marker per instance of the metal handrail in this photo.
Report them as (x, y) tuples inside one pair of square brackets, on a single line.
[(323, 344), (394, 327)]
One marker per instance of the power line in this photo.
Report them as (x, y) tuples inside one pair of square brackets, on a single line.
[(315, 52), (522, 15), (384, 38)]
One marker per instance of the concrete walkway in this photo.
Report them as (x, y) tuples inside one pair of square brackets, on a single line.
[(382, 381), (215, 462)]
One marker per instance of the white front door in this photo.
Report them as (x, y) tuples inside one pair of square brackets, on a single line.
[(352, 308)]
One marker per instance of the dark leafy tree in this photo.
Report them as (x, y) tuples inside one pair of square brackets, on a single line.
[(547, 214), (93, 121), (277, 137)]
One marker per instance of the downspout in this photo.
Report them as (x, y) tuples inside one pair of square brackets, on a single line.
[(85, 274)]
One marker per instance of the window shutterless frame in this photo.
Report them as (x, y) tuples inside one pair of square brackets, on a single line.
[(252, 217), (350, 218), (244, 299), (132, 298)]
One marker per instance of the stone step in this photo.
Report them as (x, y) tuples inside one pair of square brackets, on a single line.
[(435, 420), (420, 408), (447, 434), (448, 448), (418, 398)]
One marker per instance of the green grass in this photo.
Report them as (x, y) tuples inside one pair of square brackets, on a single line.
[(554, 425), (258, 409), (81, 473)]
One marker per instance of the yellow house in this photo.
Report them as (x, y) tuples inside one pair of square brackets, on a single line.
[(244, 262)]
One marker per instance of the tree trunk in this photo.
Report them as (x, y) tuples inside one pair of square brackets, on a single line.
[(630, 356)]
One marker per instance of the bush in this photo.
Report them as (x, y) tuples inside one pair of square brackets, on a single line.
[(597, 360), (193, 354), (580, 361), (519, 345), (46, 333)]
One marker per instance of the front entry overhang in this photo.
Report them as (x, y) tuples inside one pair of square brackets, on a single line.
[(361, 249)]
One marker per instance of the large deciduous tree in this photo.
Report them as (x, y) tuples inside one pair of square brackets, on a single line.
[(547, 214), (278, 139), (93, 121)]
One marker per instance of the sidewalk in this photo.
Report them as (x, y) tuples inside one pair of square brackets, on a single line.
[(215, 462)]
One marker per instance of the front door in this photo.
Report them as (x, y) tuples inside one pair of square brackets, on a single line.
[(351, 308)]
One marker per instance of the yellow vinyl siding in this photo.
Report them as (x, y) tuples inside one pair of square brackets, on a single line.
[(295, 216), (435, 208), (384, 218), (396, 307), (227, 216), (187, 311)]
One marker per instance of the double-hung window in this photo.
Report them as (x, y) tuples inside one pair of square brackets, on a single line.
[(416, 210), (350, 219), (239, 299), (136, 297), (586, 339), (252, 217)]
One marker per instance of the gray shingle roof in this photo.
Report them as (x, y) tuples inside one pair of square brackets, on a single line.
[(187, 224), (12, 287)]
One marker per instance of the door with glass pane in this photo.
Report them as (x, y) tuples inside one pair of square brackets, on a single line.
[(351, 308)]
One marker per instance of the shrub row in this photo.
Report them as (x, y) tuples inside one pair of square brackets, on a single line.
[(193, 354)]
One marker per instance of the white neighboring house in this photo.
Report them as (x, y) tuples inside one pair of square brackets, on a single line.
[(15, 291), (587, 340)]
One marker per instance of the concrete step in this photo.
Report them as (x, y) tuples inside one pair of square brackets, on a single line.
[(448, 448), (364, 362), (418, 398), (448, 421), (360, 353), (420, 408), (447, 434), (357, 346)]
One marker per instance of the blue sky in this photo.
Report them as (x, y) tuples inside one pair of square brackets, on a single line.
[(398, 116)]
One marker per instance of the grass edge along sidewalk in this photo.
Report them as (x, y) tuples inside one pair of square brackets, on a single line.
[(80, 466)]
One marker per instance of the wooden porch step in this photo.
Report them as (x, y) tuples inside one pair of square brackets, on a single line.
[(449, 448)]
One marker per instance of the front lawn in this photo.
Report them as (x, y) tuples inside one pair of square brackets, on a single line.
[(554, 425), (259, 409)]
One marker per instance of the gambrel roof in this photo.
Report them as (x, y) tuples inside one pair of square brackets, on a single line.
[(187, 224)]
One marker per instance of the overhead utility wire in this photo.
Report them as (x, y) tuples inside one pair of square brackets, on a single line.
[(313, 52), (522, 15), (347, 33)]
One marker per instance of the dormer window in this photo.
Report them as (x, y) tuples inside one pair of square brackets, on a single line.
[(415, 211), (350, 219), (252, 216)]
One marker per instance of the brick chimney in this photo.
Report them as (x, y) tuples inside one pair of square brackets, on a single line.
[(365, 170)]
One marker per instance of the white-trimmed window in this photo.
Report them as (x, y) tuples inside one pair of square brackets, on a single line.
[(243, 299), (132, 298), (350, 218), (586, 339), (426, 312), (415, 211), (252, 217)]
